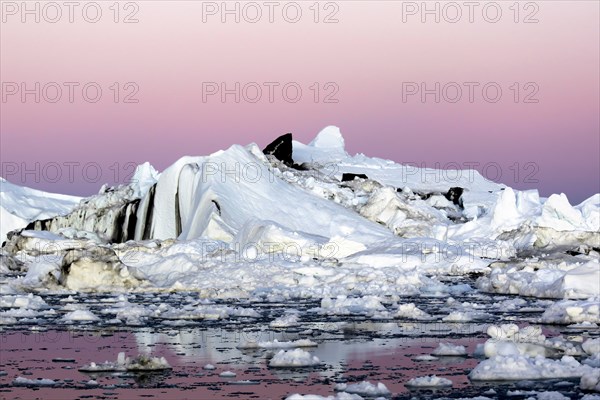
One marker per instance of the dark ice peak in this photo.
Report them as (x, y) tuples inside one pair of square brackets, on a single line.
[(346, 176), (454, 195), (281, 149)]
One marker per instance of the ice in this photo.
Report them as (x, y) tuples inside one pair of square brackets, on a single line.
[(15, 213), (209, 367), (21, 381), (429, 381), (591, 346), (276, 344), (80, 315), (339, 396), (294, 359), (425, 357), (271, 232), (343, 305), (449, 349), (562, 280), (557, 213), (227, 374), (458, 316), (573, 311), (590, 380), (411, 311), (29, 301), (123, 363), (328, 145), (285, 321), (364, 388), (521, 367), (144, 177)]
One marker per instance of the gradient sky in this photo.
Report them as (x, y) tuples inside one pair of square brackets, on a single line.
[(369, 54)]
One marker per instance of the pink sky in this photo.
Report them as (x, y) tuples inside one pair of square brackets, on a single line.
[(369, 54)]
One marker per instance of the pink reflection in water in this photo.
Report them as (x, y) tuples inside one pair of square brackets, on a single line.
[(30, 355)]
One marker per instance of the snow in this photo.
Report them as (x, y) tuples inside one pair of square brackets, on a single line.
[(252, 195), (364, 388), (144, 177), (294, 359), (429, 381), (20, 205), (449, 349), (521, 367)]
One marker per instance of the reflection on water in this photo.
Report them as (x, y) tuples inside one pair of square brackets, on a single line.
[(352, 349)]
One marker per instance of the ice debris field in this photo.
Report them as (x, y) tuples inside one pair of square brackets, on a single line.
[(316, 274)]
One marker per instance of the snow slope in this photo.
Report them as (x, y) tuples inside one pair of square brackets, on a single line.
[(20, 205), (232, 195)]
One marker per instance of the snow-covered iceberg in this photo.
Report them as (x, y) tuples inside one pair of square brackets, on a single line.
[(315, 222)]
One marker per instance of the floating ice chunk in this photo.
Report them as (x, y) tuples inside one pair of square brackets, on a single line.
[(591, 346), (458, 316), (428, 381), (449, 349), (21, 381), (339, 396), (545, 279), (343, 305), (209, 367), (411, 311), (569, 311), (294, 359), (520, 367), (364, 388), (227, 374), (276, 344), (508, 339), (23, 301), (425, 357), (593, 361), (140, 363), (285, 321), (551, 396), (80, 315), (590, 380)]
